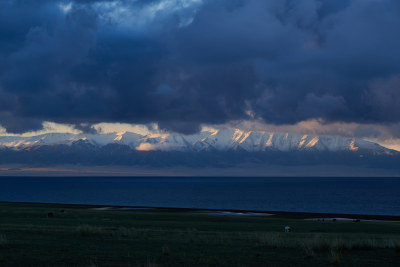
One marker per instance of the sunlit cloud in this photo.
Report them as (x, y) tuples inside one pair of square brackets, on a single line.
[(389, 143), (146, 147)]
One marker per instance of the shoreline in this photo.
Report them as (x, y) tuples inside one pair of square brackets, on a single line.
[(241, 170), (206, 211)]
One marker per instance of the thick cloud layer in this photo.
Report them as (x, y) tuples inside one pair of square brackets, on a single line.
[(184, 63)]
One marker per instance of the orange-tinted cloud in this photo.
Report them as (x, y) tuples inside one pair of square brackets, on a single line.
[(146, 147)]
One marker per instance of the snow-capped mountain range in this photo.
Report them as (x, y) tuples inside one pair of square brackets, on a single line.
[(219, 140)]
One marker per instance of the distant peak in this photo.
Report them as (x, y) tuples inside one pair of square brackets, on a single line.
[(269, 142), (352, 146), (119, 136), (302, 141), (246, 135), (312, 142), (215, 132), (120, 133)]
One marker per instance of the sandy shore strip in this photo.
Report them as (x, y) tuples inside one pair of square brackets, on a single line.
[(232, 213), (347, 219), (281, 214), (120, 208)]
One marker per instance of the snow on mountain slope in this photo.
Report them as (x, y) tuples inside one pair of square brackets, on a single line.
[(127, 138), (219, 140), (51, 138), (223, 140)]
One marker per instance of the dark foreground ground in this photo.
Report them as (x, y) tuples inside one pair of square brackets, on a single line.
[(67, 235)]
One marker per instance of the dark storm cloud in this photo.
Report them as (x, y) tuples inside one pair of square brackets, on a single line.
[(184, 63), (85, 128), (15, 124)]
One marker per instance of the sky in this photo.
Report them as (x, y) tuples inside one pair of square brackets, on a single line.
[(313, 66)]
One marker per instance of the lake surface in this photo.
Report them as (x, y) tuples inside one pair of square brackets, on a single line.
[(328, 195)]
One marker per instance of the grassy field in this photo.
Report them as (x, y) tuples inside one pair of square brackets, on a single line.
[(79, 236)]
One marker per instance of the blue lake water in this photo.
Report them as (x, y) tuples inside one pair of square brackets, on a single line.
[(328, 195)]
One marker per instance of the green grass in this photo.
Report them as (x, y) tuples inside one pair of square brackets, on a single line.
[(83, 237), (336, 256), (3, 241)]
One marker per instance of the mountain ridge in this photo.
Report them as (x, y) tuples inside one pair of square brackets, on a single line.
[(222, 149), (213, 140)]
